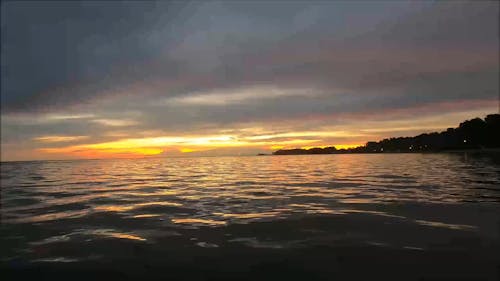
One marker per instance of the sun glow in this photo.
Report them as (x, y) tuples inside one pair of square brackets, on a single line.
[(140, 147)]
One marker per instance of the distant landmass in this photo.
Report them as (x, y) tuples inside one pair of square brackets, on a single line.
[(469, 135)]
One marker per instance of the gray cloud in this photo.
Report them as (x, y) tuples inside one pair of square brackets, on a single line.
[(78, 52)]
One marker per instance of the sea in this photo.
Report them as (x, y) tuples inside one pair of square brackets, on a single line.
[(302, 217)]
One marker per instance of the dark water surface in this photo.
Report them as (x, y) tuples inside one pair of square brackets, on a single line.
[(328, 217)]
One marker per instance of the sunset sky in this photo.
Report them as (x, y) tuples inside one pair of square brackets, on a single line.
[(135, 79)]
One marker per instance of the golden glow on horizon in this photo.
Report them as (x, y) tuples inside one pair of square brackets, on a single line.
[(314, 146), (103, 153), (108, 151), (276, 147), (153, 146), (346, 146)]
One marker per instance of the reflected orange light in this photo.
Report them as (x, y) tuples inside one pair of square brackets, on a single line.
[(198, 221), (113, 208), (249, 215), (145, 216), (127, 236), (120, 235), (124, 208)]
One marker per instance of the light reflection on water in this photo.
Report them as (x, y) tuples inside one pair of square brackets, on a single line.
[(109, 197)]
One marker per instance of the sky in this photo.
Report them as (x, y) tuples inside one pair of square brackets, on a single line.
[(139, 79)]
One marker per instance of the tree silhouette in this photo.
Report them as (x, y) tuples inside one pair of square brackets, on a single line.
[(470, 134)]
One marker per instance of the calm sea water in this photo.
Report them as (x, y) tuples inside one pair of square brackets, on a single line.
[(99, 210)]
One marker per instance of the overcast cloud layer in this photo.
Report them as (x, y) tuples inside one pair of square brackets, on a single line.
[(78, 74)]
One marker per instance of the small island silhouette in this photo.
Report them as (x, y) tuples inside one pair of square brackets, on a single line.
[(474, 134)]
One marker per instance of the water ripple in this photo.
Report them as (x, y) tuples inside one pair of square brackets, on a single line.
[(136, 195)]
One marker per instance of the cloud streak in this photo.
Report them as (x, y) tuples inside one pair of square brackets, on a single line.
[(59, 138), (238, 96)]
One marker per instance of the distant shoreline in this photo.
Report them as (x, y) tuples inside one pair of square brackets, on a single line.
[(475, 135), (486, 150)]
